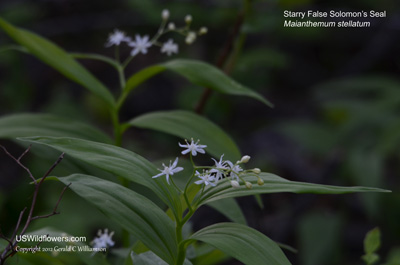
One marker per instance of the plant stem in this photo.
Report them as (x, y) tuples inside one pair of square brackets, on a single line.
[(121, 76), (230, 51), (182, 247)]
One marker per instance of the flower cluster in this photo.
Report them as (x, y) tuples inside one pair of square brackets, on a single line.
[(142, 44), (103, 240), (211, 175)]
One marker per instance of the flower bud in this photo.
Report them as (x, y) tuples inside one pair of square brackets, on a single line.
[(165, 14), (248, 185), (235, 184), (256, 170), (260, 182), (245, 159), (203, 30), (190, 38), (171, 26), (188, 19)]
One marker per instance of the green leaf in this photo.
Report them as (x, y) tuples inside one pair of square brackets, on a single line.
[(211, 256), (134, 212), (230, 208), (372, 241), (370, 258), (243, 243), (57, 58), (118, 161), (25, 125), (198, 73), (273, 184), (149, 258), (189, 125)]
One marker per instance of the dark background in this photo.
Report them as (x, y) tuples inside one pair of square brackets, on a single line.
[(336, 94)]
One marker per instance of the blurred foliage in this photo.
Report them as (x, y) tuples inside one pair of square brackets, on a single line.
[(336, 94)]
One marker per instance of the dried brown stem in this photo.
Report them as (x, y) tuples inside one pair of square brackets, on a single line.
[(10, 250), (221, 61), (55, 207), (18, 161)]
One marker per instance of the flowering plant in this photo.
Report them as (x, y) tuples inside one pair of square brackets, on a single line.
[(158, 230)]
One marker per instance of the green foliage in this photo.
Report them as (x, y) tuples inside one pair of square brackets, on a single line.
[(199, 73), (274, 184), (230, 208), (162, 235), (372, 242), (132, 211), (149, 258), (57, 58), (25, 125), (117, 161), (189, 125), (243, 243)]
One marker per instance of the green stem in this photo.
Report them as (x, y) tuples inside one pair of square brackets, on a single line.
[(187, 185), (121, 76), (181, 243), (118, 132)]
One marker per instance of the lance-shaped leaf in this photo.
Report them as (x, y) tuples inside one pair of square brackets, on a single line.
[(189, 125), (57, 58), (118, 161), (134, 212), (243, 243), (273, 184), (198, 73), (25, 125)]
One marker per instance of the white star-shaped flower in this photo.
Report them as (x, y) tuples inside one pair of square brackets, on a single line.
[(116, 38), (220, 168), (169, 47), (205, 178), (170, 170), (103, 240), (140, 45), (235, 170), (193, 147)]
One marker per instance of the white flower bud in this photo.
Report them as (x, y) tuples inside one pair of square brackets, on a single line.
[(165, 14), (235, 184), (188, 19), (260, 182), (190, 38), (245, 159), (248, 185), (256, 170), (203, 30), (171, 26)]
